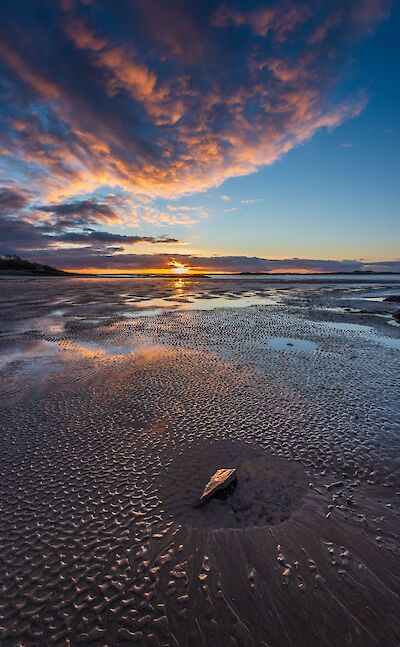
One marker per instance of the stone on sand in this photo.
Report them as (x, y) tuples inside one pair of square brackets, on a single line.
[(220, 480)]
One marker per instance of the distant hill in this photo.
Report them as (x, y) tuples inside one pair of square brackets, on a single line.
[(16, 266)]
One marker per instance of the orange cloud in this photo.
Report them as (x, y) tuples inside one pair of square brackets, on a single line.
[(172, 111)]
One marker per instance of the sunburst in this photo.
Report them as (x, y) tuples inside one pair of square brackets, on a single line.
[(178, 268)]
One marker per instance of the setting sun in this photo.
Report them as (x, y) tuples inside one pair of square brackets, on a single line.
[(178, 268)]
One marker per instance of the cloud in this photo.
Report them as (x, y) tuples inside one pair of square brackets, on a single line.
[(12, 200), (280, 21), (65, 224), (17, 236), (172, 215), (99, 238), (160, 218), (165, 100), (81, 212)]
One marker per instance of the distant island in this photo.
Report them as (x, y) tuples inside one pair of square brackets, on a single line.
[(16, 266), (362, 272)]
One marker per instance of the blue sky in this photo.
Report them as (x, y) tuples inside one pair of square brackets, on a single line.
[(258, 129), (336, 196)]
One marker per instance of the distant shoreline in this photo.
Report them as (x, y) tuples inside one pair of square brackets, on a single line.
[(17, 266), (277, 276)]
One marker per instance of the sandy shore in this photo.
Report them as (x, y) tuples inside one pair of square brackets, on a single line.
[(120, 398)]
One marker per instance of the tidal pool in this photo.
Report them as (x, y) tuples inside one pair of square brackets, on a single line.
[(292, 344)]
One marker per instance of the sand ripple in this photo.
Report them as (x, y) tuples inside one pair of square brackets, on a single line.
[(111, 425)]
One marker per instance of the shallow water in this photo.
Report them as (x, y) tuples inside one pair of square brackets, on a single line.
[(290, 343), (367, 332), (112, 422)]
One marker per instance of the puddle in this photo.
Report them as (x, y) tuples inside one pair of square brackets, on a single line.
[(35, 351), (207, 301), (340, 309), (113, 350), (347, 327), (389, 342), (157, 302), (230, 301), (58, 313), (32, 350), (210, 303), (149, 312), (292, 344), (368, 333)]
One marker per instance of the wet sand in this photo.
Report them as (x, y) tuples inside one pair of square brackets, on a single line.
[(120, 397)]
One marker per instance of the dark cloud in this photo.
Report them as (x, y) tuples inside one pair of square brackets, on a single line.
[(66, 224), (105, 238), (12, 200), (17, 235), (81, 212)]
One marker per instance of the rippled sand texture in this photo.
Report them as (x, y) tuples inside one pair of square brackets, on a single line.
[(120, 398)]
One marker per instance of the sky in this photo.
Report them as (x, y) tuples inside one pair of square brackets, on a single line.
[(223, 135)]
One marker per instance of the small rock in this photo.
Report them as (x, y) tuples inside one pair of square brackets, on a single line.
[(222, 479)]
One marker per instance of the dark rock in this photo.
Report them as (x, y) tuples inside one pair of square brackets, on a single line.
[(395, 298)]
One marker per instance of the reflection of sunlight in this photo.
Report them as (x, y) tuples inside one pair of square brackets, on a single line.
[(178, 286)]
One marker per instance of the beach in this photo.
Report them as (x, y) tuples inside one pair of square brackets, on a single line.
[(119, 399)]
